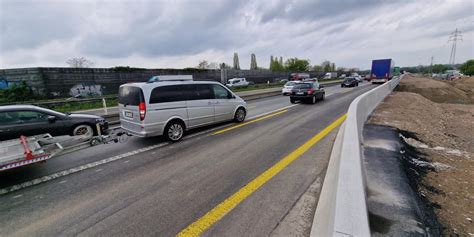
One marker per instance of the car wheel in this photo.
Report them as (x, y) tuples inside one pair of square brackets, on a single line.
[(313, 100), (83, 130), (174, 131), (342, 86), (322, 97), (239, 115), (292, 100)]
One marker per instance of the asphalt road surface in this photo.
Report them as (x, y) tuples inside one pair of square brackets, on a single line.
[(150, 187)]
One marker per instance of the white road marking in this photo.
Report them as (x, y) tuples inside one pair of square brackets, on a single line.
[(64, 181), (98, 170), (18, 196), (77, 169)]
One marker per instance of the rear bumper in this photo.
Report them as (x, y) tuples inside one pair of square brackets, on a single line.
[(301, 97)]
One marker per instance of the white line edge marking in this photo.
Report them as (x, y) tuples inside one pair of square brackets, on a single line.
[(76, 169)]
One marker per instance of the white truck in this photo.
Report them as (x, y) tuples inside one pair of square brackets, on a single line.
[(236, 82), (330, 75)]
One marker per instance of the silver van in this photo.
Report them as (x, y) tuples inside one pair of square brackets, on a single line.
[(170, 108)]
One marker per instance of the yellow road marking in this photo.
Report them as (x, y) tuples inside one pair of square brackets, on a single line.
[(218, 212), (349, 90), (249, 122)]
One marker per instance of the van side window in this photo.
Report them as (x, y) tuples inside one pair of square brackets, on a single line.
[(163, 94), (200, 92), (220, 92)]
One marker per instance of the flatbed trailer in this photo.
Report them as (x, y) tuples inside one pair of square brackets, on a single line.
[(23, 151)]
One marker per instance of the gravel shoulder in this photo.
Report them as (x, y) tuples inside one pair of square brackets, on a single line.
[(439, 115)]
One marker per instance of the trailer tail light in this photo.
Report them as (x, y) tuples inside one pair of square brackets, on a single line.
[(142, 110)]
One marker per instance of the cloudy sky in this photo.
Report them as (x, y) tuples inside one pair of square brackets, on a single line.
[(177, 34)]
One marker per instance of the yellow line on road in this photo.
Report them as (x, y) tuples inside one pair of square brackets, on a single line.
[(349, 90), (218, 212), (249, 122)]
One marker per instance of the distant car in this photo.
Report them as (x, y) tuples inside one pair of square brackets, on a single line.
[(307, 92), (29, 120), (287, 87), (350, 82), (236, 82), (358, 78)]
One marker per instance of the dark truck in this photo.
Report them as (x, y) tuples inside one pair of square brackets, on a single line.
[(381, 71)]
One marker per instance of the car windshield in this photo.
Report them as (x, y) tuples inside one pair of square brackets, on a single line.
[(349, 79), (290, 83), (302, 86)]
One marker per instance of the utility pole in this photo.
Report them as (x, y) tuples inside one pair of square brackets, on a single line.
[(455, 37), (431, 66)]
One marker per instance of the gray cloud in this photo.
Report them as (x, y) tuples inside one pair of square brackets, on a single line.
[(179, 33)]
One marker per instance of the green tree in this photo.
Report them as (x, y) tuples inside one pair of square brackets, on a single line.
[(253, 62), (317, 68), (236, 62), (271, 61), (467, 68), (439, 68), (276, 66), (295, 64)]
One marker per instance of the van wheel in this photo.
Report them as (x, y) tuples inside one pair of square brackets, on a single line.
[(322, 97), (174, 131), (239, 115)]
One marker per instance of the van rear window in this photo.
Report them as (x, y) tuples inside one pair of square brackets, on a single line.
[(130, 95)]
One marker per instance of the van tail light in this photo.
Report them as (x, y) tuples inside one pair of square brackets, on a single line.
[(142, 110), (310, 91)]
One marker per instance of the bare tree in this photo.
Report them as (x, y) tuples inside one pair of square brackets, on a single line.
[(203, 64), (80, 62)]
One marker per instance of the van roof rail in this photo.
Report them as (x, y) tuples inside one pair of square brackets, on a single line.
[(163, 78)]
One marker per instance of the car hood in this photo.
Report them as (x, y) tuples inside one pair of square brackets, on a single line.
[(84, 116)]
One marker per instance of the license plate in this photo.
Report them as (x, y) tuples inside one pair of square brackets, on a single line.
[(128, 114), (300, 93)]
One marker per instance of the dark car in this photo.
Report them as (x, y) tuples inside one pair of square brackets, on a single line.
[(350, 82), (307, 92), (28, 120)]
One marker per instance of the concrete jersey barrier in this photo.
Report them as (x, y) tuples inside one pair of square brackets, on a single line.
[(342, 206)]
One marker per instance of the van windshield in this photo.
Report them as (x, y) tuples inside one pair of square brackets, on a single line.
[(130, 95)]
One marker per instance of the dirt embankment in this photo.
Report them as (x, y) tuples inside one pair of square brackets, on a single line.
[(441, 114)]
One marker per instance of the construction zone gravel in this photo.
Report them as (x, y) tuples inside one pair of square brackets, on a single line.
[(440, 115)]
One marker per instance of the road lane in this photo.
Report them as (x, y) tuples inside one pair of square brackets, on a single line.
[(93, 154), (160, 192)]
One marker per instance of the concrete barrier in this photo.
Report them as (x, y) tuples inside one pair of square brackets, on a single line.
[(342, 206)]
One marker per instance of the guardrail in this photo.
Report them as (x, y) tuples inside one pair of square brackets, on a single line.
[(342, 206)]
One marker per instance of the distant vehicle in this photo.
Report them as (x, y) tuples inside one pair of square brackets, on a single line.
[(381, 71), (350, 82), (170, 78), (453, 74), (330, 75), (307, 92), (298, 76), (169, 108), (286, 90), (358, 78), (367, 77), (29, 120), (342, 76), (236, 82), (396, 71)]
